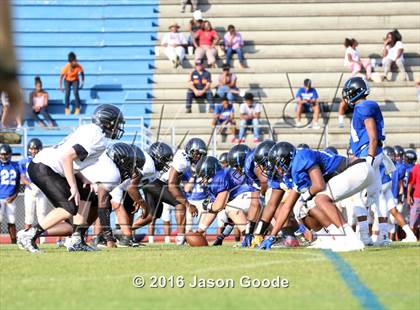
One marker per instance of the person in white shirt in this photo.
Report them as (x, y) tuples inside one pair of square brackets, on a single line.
[(174, 43), (352, 59), (393, 52), (250, 116)]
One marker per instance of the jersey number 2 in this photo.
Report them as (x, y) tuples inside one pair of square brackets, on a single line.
[(8, 177)]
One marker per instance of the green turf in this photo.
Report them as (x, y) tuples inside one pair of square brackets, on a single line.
[(103, 280)]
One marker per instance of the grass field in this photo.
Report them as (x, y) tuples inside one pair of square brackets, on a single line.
[(104, 280)]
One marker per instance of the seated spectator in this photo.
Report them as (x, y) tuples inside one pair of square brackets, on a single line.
[(250, 116), (174, 43), (353, 61), (393, 53), (70, 74), (207, 41), (227, 84), (307, 100), (193, 4), (196, 23), (7, 113), (38, 100), (224, 116), (233, 44), (200, 86)]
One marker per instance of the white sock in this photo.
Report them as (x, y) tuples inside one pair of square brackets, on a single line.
[(341, 119), (363, 227), (151, 240), (407, 230), (167, 239), (383, 230), (349, 231), (391, 228)]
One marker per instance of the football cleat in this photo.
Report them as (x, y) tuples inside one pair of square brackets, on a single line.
[(246, 243), (256, 242), (180, 240), (126, 242), (218, 241), (25, 240), (267, 243)]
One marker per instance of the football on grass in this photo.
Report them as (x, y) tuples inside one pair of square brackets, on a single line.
[(196, 239)]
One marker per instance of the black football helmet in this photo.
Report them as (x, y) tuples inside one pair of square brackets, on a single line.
[(162, 155), (122, 154), (354, 89), (399, 151), (261, 153), (195, 149), (237, 155), (206, 169), (281, 155), (139, 158), (390, 152), (303, 146), (5, 153), (110, 119), (223, 159), (410, 156), (331, 150), (34, 146)]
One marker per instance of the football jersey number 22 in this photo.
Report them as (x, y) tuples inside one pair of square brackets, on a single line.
[(8, 177)]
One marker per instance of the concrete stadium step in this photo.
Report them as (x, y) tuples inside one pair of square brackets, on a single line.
[(315, 2), (175, 108), (325, 94), (296, 9), (298, 23), (321, 36)]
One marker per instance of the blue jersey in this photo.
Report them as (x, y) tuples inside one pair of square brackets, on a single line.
[(359, 139), (304, 94), (198, 191), (229, 180), (277, 181), (249, 169), (397, 176), (385, 177), (408, 168), (23, 168), (305, 159), (9, 179)]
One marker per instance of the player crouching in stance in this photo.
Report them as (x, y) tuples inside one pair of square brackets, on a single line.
[(54, 169), (9, 188), (321, 179)]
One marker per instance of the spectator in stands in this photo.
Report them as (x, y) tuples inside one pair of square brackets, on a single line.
[(174, 43), (250, 116), (393, 53), (352, 59), (227, 84), (413, 199), (224, 116), (38, 100), (200, 86), (6, 113), (307, 97), (233, 44), (207, 39), (70, 74), (196, 23), (193, 4)]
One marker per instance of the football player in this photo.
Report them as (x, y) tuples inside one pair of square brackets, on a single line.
[(9, 189), (366, 140), (35, 200), (54, 169)]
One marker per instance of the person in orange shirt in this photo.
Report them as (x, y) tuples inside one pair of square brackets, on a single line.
[(70, 74)]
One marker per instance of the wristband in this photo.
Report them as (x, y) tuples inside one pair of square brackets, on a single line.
[(307, 196)]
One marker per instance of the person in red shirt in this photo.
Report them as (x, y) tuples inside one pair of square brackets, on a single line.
[(413, 199), (70, 74), (207, 38)]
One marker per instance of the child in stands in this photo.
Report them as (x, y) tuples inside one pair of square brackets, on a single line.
[(70, 75)]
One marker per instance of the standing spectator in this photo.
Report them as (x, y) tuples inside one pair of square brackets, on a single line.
[(233, 44), (250, 116), (352, 59), (174, 43), (9, 189), (207, 38), (196, 23), (227, 84), (224, 116), (307, 98), (6, 113), (70, 75), (193, 3), (200, 86), (393, 52), (38, 100), (413, 199)]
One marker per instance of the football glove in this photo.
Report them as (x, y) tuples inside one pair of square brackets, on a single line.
[(267, 243)]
